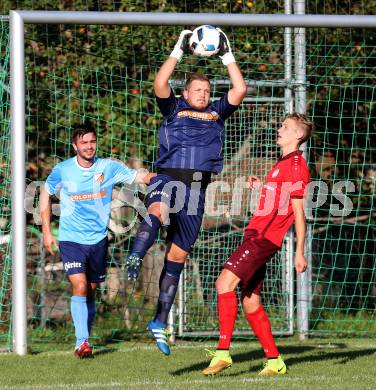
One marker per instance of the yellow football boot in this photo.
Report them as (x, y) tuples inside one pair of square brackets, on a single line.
[(274, 367), (220, 361)]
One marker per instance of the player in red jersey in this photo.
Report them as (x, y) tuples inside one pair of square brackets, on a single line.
[(281, 203)]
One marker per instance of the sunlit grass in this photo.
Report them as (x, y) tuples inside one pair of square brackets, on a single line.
[(313, 364)]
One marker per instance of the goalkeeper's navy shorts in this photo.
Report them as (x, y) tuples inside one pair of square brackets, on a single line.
[(248, 262), (186, 205), (87, 259)]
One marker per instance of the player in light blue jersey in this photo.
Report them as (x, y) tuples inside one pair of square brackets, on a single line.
[(84, 184)]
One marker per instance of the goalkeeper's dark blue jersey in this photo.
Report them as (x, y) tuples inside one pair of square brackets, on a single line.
[(191, 138)]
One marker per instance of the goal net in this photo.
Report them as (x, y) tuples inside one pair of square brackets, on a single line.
[(104, 75)]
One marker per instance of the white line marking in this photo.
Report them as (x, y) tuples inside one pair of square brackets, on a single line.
[(127, 384)]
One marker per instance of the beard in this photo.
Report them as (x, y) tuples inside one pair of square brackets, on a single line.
[(87, 156)]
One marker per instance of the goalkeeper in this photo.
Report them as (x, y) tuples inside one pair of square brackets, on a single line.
[(85, 185), (281, 203), (191, 140)]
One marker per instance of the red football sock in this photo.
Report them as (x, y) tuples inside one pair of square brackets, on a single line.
[(227, 311), (260, 325)]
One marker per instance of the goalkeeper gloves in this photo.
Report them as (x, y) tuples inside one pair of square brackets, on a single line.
[(225, 52), (182, 45)]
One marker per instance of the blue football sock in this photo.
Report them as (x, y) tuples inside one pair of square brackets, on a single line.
[(145, 236), (80, 318), (167, 290), (90, 303)]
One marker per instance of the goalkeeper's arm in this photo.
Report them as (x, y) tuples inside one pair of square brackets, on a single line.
[(239, 89), (161, 86)]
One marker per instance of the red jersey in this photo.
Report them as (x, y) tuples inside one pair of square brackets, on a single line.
[(285, 181)]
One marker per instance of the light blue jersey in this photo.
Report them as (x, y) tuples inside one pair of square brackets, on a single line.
[(85, 197)]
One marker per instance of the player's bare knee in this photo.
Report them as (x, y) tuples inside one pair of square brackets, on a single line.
[(250, 302), (222, 285), (218, 285), (80, 288), (176, 254), (158, 210), (155, 210), (226, 282), (251, 308)]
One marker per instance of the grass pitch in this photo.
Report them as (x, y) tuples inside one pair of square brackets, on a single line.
[(313, 364)]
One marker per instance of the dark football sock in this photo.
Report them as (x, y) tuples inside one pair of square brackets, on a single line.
[(145, 236), (90, 303), (167, 290)]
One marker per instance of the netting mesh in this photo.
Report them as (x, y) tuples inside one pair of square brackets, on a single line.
[(343, 149), (104, 74)]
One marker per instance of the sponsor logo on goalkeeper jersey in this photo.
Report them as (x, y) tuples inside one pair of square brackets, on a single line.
[(204, 116), (95, 195)]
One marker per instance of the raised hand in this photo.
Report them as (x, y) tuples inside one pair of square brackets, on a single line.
[(225, 52), (182, 45)]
